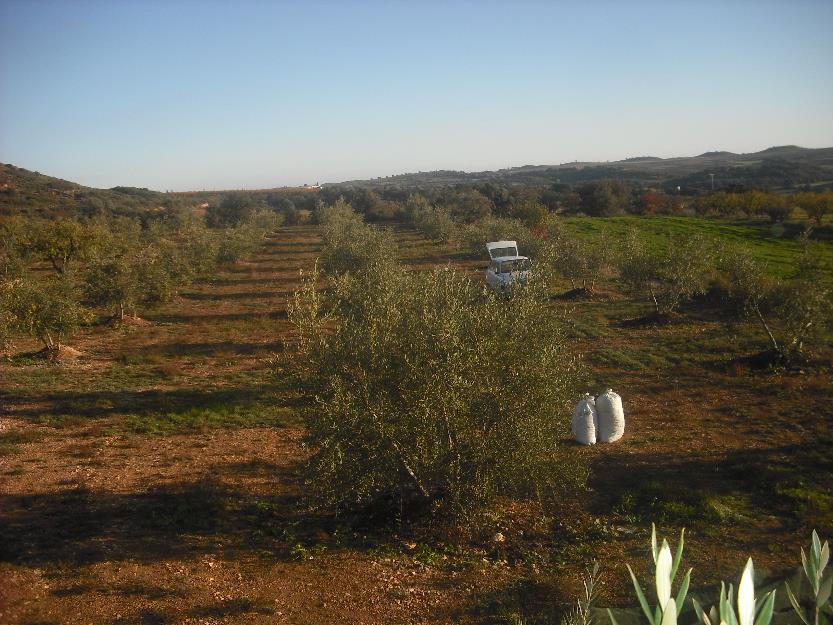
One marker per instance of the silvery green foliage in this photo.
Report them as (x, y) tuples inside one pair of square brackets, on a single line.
[(435, 222), (582, 613), (820, 583), (582, 263), (348, 243), (750, 611), (670, 275), (473, 237), (428, 385), (668, 608)]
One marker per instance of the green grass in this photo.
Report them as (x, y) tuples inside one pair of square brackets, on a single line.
[(624, 358), (778, 247), (197, 419), (9, 441)]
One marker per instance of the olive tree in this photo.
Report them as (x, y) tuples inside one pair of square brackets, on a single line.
[(62, 242), (435, 222), (348, 244), (15, 247), (47, 309), (429, 387), (136, 269), (789, 311), (581, 263), (473, 237), (669, 275)]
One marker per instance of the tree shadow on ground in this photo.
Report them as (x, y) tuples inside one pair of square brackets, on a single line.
[(216, 318), (208, 349), (181, 520), (237, 295), (98, 404), (520, 601), (786, 481)]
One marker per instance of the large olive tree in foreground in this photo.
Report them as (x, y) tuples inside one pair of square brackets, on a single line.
[(430, 387)]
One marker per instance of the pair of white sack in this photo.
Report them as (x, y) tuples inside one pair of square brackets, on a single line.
[(602, 419)]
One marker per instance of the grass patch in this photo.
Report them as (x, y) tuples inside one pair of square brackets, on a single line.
[(9, 441), (778, 247), (656, 501), (630, 359), (198, 419)]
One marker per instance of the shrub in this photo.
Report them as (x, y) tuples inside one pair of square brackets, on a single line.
[(473, 237), (434, 222), (430, 387), (790, 311), (582, 263), (136, 269), (48, 309), (670, 276), (63, 242), (15, 247), (349, 244)]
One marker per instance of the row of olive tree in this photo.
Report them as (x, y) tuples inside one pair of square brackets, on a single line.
[(116, 263)]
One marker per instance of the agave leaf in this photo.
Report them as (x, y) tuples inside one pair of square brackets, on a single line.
[(746, 595), (825, 556), (640, 595), (678, 556), (683, 592), (724, 604), (730, 611), (663, 575), (796, 605), (654, 550), (669, 616), (713, 615), (701, 616), (765, 615), (657, 615), (824, 591), (612, 618), (816, 547)]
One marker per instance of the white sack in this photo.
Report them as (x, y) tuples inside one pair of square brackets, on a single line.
[(584, 421), (611, 417)]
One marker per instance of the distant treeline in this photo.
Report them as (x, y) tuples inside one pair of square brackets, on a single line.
[(603, 198)]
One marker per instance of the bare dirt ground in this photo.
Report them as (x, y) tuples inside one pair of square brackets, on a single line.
[(155, 480)]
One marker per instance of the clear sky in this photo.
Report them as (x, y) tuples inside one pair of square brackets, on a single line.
[(181, 95)]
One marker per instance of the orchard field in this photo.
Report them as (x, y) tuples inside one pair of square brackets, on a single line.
[(156, 478)]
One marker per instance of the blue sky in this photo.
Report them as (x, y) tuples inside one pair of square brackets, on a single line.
[(217, 95)]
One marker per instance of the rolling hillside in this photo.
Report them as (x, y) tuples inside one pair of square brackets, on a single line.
[(783, 167)]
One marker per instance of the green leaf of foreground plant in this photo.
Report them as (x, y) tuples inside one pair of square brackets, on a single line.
[(701, 615), (612, 618), (683, 592), (765, 615), (639, 595), (816, 547), (677, 557), (824, 591), (809, 572), (795, 604)]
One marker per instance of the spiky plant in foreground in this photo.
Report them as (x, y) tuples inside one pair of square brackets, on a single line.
[(814, 567), (581, 612), (668, 608)]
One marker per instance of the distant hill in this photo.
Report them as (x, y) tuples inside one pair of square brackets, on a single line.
[(785, 167), (780, 168), (24, 191)]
